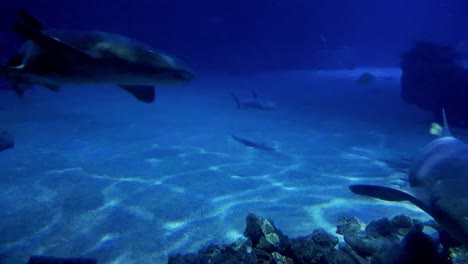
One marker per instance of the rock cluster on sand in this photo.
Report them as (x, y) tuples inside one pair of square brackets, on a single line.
[(385, 241), (6, 141)]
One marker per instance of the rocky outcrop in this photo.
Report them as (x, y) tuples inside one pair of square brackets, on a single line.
[(384, 241), (434, 78)]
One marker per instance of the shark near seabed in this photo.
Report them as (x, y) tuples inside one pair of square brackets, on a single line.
[(254, 102), (53, 58), (255, 145), (438, 181)]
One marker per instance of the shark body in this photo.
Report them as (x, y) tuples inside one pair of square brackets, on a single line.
[(438, 181), (53, 57)]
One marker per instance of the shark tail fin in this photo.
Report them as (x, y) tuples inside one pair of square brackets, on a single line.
[(236, 100), (445, 129)]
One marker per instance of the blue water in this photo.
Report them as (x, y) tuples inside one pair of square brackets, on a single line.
[(96, 173), (256, 35)]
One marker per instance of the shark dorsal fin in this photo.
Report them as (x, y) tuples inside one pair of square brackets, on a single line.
[(30, 20), (445, 129)]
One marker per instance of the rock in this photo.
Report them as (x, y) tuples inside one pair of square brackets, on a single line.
[(382, 227), (216, 254), (378, 243), (319, 247), (348, 225), (365, 78), (363, 245), (377, 236), (263, 234), (323, 239), (280, 259), (402, 224), (417, 247), (434, 78), (351, 254), (459, 255), (6, 141), (402, 221)]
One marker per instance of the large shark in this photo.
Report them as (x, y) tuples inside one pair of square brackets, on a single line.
[(438, 180), (53, 58), (254, 102)]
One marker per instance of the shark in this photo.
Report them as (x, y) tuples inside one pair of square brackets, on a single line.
[(438, 180), (248, 143), (254, 102), (55, 57)]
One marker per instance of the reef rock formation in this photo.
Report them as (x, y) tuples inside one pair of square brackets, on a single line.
[(434, 78), (385, 241)]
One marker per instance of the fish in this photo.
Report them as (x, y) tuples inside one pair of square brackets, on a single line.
[(254, 102), (437, 184), (248, 143), (55, 57), (36, 259)]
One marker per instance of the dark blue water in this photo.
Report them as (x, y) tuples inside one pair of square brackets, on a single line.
[(245, 36)]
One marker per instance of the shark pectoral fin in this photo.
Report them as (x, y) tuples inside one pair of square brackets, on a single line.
[(381, 192), (144, 93), (388, 194)]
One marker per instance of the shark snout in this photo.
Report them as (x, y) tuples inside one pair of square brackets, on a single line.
[(185, 75)]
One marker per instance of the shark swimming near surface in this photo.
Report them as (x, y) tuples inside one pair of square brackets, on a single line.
[(248, 143), (53, 57), (254, 102), (438, 181)]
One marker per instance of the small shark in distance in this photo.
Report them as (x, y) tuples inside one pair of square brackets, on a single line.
[(52, 58), (438, 181), (248, 143), (254, 102)]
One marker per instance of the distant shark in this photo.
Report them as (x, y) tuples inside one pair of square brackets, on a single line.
[(254, 102), (252, 144), (53, 58), (438, 182)]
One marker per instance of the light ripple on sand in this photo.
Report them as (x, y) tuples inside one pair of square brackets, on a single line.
[(233, 235), (65, 170), (175, 225), (141, 212), (38, 235), (105, 238), (88, 220)]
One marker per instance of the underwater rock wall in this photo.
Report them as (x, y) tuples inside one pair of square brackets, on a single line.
[(385, 241), (434, 78)]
